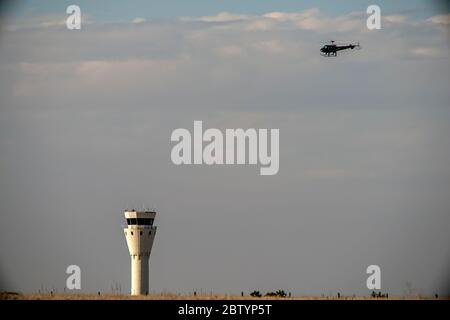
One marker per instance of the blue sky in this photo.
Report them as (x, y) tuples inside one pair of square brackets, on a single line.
[(106, 11)]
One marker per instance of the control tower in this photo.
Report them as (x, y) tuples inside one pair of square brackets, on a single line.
[(140, 234)]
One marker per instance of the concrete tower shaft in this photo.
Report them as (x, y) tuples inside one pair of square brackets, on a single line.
[(140, 233)]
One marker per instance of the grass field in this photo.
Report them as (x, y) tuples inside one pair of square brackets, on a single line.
[(173, 296)]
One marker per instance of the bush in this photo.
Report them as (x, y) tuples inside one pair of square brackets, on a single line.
[(278, 293), (256, 294)]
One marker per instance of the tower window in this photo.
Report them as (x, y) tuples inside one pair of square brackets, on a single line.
[(140, 233), (149, 233), (131, 232), (140, 221)]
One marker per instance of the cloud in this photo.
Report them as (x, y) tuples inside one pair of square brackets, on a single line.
[(44, 22), (270, 46), (260, 24), (97, 71), (200, 56), (425, 52), (310, 19), (223, 17), (95, 76), (293, 16), (394, 18), (138, 20), (441, 19), (230, 51)]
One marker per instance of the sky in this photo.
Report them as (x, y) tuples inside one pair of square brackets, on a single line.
[(105, 10), (86, 118)]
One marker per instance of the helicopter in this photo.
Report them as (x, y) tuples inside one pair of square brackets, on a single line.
[(330, 50)]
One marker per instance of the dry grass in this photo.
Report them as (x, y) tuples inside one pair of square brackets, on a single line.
[(174, 296)]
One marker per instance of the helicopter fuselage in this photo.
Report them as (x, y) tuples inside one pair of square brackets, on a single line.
[(332, 49)]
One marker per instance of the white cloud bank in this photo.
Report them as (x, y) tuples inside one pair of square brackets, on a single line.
[(441, 19), (138, 20)]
